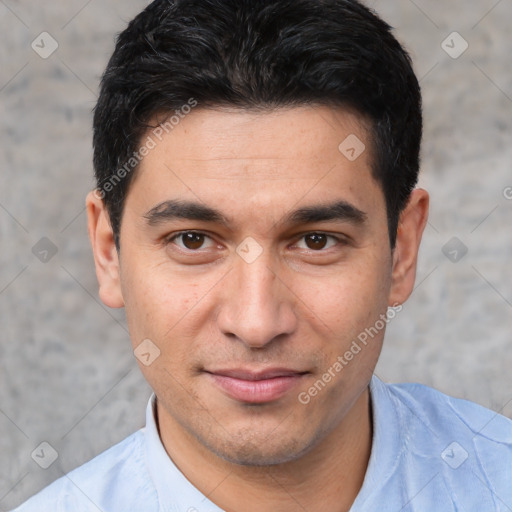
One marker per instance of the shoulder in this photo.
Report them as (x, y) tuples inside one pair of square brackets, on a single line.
[(464, 447), (446, 415), (116, 479), (435, 452)]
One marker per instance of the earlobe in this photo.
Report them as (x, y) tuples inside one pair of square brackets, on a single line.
[(405, 255), (105, 253)]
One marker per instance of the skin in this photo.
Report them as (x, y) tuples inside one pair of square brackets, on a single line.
[(299, 305)]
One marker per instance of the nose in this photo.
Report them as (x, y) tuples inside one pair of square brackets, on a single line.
[(257, 306)]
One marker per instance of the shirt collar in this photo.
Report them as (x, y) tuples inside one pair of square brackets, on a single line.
[(175, 492), (387, 445)]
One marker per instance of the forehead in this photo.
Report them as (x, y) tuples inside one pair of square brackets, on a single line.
[(271, 159), (311, 132)]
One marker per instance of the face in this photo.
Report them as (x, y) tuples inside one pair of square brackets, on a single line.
[(254, 252)]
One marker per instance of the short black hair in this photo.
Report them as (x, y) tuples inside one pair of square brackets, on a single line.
[(258, 54)]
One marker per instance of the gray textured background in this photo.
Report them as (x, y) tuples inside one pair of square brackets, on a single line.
[(67, 374)]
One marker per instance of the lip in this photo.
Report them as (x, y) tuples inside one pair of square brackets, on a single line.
[(256, 387)]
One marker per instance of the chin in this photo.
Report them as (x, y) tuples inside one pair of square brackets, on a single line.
[(259, 452)]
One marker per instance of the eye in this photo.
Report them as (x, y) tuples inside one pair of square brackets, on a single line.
[(191, 240), (318, 241), (194, 241)]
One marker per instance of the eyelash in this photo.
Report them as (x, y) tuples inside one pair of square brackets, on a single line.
[(169, 240)]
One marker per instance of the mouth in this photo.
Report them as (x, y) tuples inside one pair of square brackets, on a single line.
[(256, 387)]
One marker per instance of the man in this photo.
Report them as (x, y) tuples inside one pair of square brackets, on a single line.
[(256, 216)]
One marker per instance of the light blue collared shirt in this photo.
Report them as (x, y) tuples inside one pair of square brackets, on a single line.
[(430, 453)]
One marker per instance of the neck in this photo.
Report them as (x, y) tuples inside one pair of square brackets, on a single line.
[(328, 477)]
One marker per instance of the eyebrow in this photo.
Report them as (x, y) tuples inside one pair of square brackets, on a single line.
[(189, 210)]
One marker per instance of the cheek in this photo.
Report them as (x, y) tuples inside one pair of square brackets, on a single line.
[(349, 300), (158, 302)]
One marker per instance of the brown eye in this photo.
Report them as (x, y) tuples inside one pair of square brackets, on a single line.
[(192, 241), (319, 242), (316, 241)]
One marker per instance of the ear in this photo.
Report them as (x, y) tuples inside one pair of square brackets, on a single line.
[(405, 255), (106, 257)]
